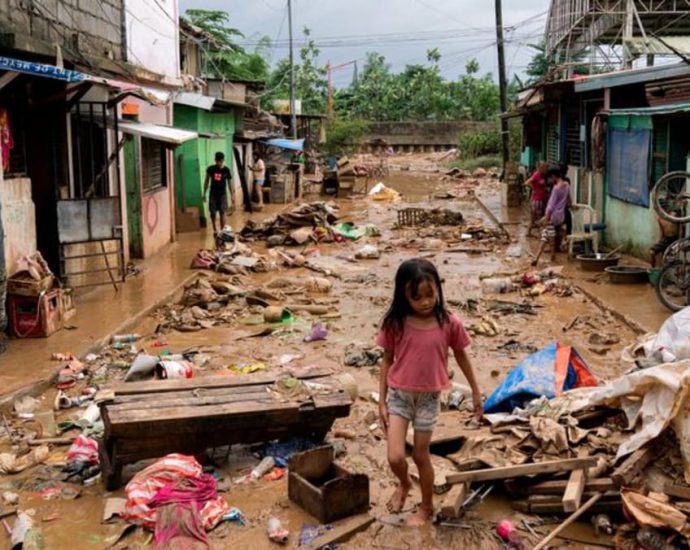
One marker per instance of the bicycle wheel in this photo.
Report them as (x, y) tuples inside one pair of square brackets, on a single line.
[(673, 285), (671, 195), (678, 251)]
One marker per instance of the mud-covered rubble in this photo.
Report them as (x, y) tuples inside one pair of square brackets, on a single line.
[(252, 317)]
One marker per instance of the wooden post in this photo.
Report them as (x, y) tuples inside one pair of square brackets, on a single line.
[(586, 506)]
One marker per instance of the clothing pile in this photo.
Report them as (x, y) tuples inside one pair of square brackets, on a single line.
[(315, 215)]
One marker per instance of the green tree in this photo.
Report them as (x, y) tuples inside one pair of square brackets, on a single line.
[(225, 58)]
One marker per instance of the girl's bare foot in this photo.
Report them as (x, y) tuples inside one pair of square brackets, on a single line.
[(397, 501), (420, 517)]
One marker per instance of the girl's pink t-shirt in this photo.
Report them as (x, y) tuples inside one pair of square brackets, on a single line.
[(420, 355)]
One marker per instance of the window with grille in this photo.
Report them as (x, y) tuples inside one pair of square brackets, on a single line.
[(155, 174)]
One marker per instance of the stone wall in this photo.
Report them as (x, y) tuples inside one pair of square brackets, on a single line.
[(420, 136), (91, 28)]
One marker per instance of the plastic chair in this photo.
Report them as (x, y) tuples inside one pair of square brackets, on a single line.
[(584, 219)]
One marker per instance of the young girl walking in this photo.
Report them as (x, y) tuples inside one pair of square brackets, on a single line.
[(416, 333)]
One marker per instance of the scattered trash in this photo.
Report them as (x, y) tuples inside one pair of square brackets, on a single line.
[(83, 450), (265, 466), (26, 406), (12, 464), (175, 369), (368, 252), (602, 524), (10, 498), (508, 532), (382, 193), (143, 366), (276, 531), (248, 368), (318, 332), (235, 515), (309, 533), (124, 338), (367, 357)]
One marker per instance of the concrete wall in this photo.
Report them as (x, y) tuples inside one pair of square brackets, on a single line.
[(90, 27), (634, 227), (19, 221), (422, 135), (153, 36)]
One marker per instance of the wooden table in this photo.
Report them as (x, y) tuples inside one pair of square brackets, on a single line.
[(152, 419)]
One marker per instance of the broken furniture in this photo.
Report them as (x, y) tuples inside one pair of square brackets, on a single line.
[(324, 488), (152, 419), (584, 220)]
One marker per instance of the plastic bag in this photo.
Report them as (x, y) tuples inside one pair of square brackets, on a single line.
[(368, 252)]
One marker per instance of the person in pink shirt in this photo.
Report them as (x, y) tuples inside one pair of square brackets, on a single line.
[(416, 334), (540, 194)]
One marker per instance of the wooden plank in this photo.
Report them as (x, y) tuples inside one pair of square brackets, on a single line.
[(581, 510), (677, 491), (200, 392), (574, 490), (633, 465), (151, 401), (467, 464), (508, 472), (452, 503), (556, 487), (342, 531), (169, 414), (156, 386)]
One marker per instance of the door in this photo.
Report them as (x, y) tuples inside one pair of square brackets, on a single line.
[(133, 186)]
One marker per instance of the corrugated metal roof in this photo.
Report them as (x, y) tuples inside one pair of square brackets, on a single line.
[(635, 76), (195, 100), (651, 111)]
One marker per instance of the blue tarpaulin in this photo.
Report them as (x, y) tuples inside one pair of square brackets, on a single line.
[(548, 372), (628, 165), (289, 144)]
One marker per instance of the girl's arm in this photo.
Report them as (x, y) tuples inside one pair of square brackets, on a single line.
[(466, 367), (386, 362)]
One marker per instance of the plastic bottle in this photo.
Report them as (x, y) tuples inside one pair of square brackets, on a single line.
[(125, 338), (265, 466), (276, 531), (496, 285)]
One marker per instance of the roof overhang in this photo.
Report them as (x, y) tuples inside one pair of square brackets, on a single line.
[(672, 109), (167, 134), (635, 76)]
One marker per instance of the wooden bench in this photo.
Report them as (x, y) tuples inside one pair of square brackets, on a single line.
[(152, 419)]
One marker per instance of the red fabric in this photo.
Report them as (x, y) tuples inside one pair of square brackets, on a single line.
[(420, 356), (539, 190)]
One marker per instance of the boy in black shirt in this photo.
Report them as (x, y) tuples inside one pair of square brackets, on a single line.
[(219, 176)]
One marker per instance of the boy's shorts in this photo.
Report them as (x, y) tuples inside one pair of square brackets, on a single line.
[(217, 203), (260, 183), (549, 233), (420, 408)]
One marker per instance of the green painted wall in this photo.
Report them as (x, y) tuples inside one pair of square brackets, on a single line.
[(198, 154)]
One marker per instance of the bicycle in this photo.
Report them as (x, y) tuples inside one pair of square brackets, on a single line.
[(671, 197)]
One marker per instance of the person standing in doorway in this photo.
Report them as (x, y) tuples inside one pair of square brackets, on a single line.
[(259, 175), (554, 217), (539, 196), (218, 178)]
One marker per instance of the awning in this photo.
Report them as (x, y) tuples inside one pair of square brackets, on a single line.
[(168, 134), (289, 144), (651, 111)]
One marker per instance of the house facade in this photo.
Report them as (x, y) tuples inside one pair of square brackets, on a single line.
[(86, 114), (617, 133)]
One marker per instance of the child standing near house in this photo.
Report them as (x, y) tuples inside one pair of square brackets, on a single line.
[(416, 333), (539, 196), (555, 215), (259, 177)]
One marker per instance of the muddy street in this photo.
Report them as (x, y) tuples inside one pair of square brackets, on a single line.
[(510, 310)]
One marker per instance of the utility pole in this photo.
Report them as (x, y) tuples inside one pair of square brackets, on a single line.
[(293, 114), (502, 85)]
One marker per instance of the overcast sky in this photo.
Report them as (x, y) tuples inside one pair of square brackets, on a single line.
[(402, 30)]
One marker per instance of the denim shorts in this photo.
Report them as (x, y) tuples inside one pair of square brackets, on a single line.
[(260, 183), (420, 408)]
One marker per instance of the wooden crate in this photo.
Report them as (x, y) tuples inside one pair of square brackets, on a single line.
[(282, 189), (153, 419), (23, 284), (324, 488)]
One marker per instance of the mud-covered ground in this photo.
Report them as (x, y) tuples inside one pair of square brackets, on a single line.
[(359, 295)]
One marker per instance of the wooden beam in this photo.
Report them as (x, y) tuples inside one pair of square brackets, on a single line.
[(342, 531), (633, 465), (452, 503), (574, 490), (508, 472), (8, 77), (586, 506), (556, 487), (677, 491)]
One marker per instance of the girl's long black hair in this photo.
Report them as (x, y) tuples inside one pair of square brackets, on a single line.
[(411, 274)]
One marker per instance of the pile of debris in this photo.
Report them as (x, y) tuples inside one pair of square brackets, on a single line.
[(294, 226), (426, 217)]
